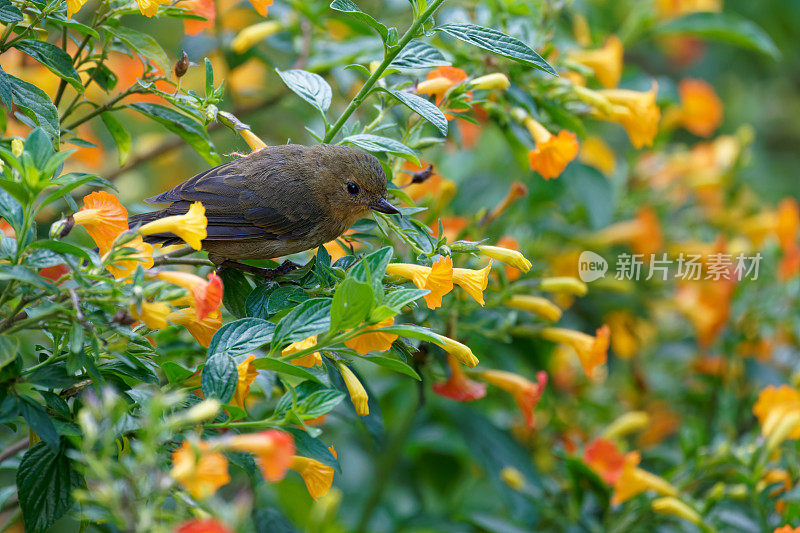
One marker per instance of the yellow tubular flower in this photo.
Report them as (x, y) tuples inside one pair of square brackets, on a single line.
[(17, 147), (247, 375), (307, 360), (190, 227), (358, 395), (512, 477), (491, 81), (252, 140), (201, 330), (376, 341), (634, 481), (438, 279), (73, 6), (535, 304), (606, 62), (592, 351), (150, 7), (125, 266), (252, 35), (673, 506), (438, 85), (564, 284), (317, 476), (773, 405), (200, 471), (473, 281), (154, 314), (596, 153), (525, 392), (509, 257), (636, 111), (458, 350)]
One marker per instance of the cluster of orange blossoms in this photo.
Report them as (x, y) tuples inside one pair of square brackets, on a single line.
[(105, 219), (201, 468)]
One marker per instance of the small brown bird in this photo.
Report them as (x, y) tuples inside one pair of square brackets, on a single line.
[(277, 201)]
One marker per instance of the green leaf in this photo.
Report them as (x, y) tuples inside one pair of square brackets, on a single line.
[(68, 183), (186, 127), (10, 210), (62, 247), (419, 54), (351, 305), (143, 43), (347, 6), (499, 43), (423, 107), (400, 298), (241, 336), (103, 76), (45, 480), (282, 367), (308, 406), (174, 372), (219, 377), (54, 58), (376, 143), (237, 289), (120, 134), (33, 102), (722, 27), (309, 86), (309, 318), (9, 13), (6, 95), (24, 275), (372, 268), (412, 331), (60, 20), (36, 417), (394, 365)]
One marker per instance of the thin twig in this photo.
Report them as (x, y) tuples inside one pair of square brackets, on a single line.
[(14, 449), (193, 261)]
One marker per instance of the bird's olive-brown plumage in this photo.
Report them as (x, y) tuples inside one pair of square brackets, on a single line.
[(278, 201)]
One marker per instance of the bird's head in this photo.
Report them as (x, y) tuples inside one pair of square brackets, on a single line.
[(359, 184)]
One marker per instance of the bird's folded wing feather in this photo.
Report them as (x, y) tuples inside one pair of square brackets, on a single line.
[(244, 199)]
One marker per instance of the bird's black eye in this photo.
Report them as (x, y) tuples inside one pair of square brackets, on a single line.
[(352, 188)]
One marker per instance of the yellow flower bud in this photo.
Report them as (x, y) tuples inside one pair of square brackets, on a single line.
[(673, 506), (458, 350), (203, 411), (491, 81), (782, 430), (358, 395), (252, 35), (626, 424), (507, 256), (17, 147), (535, 304), (512, 477), (565, 284)]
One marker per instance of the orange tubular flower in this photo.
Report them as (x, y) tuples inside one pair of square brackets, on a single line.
[(636, 111), (190, 227), (199, 470), (154, 314), (787, 529), (643, 233), (525, 392), (73, 6), (273, 449), (606, 62), (261, 6), (201, 330), (473, 281), (773, 405), (605, 459), (203, 8), (552, 152), (634, 481), (377, 341), (707, 306), (317, 476), (206, 295), (197, 525), (701, 108), (308, 360), (247, 375), (592, 351), (438, 279), (459, 387), (103, 217)]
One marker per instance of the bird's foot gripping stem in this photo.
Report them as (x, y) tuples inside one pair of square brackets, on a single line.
[(268, 274)]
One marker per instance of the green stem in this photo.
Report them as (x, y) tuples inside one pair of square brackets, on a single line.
[(399, 232), (105, 107), (387, 60)]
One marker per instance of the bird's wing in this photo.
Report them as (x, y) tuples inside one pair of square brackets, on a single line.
[(247, 198)]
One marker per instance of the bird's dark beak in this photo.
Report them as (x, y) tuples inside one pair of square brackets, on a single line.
[(382, 205)]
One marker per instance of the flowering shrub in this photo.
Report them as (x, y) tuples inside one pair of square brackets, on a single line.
[(579, 255)]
